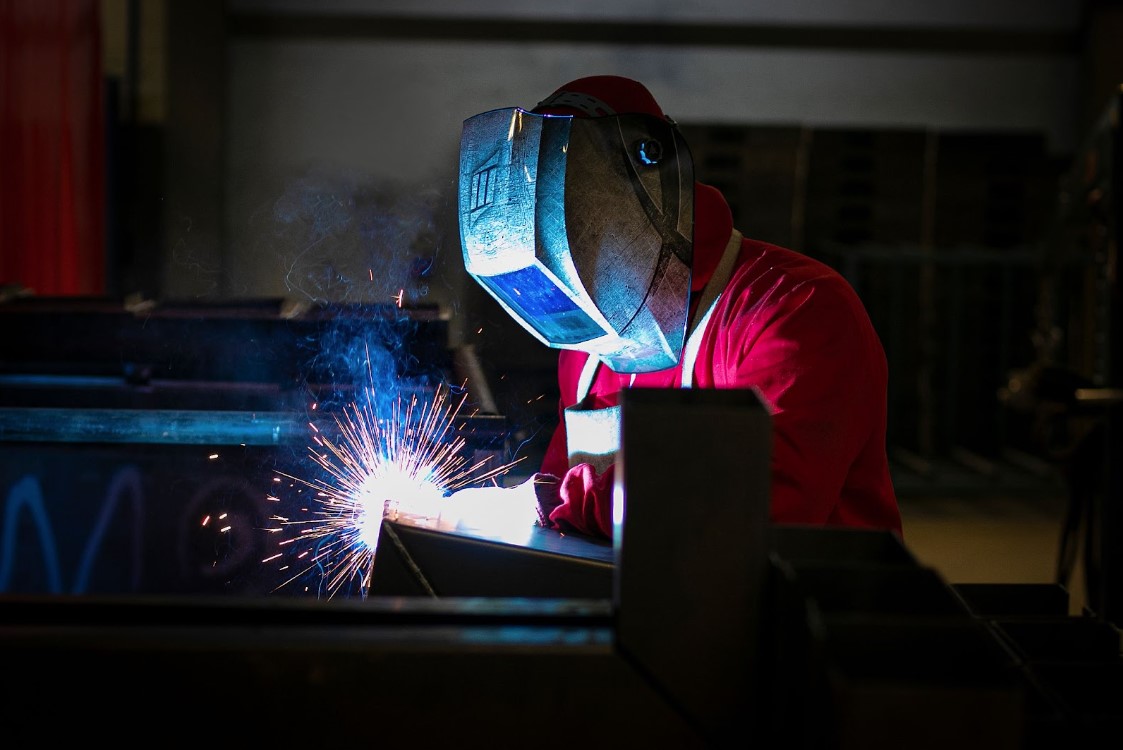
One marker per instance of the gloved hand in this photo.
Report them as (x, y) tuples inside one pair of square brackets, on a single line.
[(501, 509), (547, 489)]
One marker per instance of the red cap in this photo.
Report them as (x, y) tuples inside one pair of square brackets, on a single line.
[(713, 223), (597, 96)]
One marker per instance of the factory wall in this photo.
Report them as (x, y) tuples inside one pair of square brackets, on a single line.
[(350, 113), (340, 147)]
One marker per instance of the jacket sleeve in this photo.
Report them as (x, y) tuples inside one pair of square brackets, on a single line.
[(583, 500)]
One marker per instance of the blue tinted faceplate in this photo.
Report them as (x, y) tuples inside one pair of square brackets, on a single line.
[(538, 301)]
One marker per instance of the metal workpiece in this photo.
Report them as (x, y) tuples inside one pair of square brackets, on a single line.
[(413, 560), (693, 476)]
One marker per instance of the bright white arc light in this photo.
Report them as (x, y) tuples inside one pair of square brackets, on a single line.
[(392, 491)]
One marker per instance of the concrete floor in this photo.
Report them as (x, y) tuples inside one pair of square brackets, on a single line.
[(981, 538)]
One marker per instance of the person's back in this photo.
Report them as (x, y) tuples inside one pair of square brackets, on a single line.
[(793, 329)]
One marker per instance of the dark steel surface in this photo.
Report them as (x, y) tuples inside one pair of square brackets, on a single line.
[(381, 673), (416, 561), (695, 467), (238, 342), (802, 544)]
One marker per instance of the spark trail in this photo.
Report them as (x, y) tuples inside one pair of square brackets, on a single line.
[(405, 463)]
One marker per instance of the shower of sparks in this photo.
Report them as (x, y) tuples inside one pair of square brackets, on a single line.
[(406, 463)]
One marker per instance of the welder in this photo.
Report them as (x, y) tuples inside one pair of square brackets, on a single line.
[(583, 219)]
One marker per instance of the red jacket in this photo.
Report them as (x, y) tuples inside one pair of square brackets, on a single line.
[(795, 330)]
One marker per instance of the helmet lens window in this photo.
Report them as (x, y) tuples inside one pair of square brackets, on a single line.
[(538, 301)]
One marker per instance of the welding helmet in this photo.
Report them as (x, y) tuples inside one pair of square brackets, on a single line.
[(578, 219)]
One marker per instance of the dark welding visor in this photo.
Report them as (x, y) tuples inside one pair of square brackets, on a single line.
[(582, 229)]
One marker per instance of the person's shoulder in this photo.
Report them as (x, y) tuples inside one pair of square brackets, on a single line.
[(759, 258), (779, 284)]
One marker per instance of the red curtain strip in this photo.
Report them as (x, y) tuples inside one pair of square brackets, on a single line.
[(52, 147)]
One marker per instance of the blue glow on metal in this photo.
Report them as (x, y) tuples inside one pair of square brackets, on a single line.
[(64, 381), (152, 426), (26, 497), (585, 249), (27, 493), (513, 635)]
